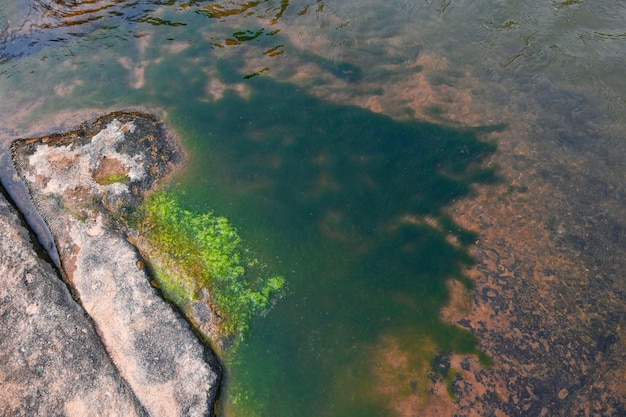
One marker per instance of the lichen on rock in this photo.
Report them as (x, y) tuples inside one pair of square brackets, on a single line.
[(88, 166), (108, 164)]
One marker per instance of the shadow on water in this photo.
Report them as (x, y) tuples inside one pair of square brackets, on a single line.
[(354, 204)]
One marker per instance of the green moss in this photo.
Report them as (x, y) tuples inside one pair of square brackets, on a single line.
[(174, 287), (112, 179), (199, 251)]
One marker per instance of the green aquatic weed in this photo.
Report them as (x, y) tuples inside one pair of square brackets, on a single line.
[(205, 251)]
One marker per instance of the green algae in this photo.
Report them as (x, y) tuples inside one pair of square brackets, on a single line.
[(205, 251), (352, 203)]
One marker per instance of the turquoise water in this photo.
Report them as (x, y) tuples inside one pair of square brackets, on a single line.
[(334, 135), (324, 193)]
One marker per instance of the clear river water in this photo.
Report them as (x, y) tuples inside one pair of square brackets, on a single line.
[(341, 138)]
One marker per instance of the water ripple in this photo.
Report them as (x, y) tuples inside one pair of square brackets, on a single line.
[(40, 23)]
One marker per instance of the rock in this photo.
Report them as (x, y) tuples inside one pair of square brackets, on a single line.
[(80, 182), (51, 359)]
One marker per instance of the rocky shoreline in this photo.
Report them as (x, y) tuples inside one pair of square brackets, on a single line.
[(104, 342), (53, 362), (136, 353)]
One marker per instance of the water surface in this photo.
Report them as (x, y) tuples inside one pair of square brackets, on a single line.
[(336, 135)]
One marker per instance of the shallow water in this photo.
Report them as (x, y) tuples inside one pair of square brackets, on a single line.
[(336, 135)]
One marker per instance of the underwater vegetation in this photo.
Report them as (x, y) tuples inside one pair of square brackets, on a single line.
[(193, 252), (357, 204)]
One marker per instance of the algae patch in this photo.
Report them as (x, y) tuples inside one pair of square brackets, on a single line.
[(201, 258), (103, 174)]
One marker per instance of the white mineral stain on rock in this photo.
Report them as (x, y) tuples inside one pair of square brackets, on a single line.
[(32, 309), (97, 229), (72, 167)]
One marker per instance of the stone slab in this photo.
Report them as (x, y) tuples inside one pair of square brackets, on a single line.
[(52, 362), (77, 181)]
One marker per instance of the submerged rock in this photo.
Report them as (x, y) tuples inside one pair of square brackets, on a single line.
[(77, 181)]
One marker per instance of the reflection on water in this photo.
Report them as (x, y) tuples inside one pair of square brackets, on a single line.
[(270, 99), (56, 13), (261, 9), (42, 23)]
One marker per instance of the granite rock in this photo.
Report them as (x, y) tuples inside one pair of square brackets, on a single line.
[(81, 182), (52, 361)]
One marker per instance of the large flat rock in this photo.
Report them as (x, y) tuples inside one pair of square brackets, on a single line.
[(52, 362), (80, 181)]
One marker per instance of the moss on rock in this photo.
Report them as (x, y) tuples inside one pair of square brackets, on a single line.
[(202, 257)]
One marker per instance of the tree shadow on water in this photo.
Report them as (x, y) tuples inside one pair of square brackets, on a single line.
[(374, 187)]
